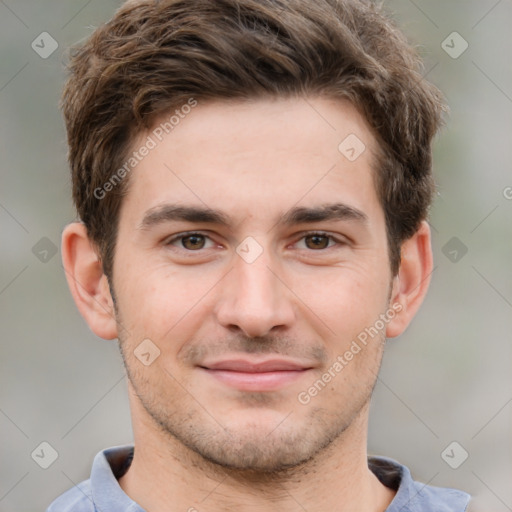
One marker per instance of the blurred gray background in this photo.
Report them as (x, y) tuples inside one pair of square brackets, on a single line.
[(447, 379)]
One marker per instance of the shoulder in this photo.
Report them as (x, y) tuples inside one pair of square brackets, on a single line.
[(429, 498), (76, 499)]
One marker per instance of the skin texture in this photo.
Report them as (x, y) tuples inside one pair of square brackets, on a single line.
[(304, 298)]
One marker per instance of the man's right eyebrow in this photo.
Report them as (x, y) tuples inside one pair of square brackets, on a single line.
[(172, 212)]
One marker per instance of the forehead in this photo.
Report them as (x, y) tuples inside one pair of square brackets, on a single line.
[(256, 157)]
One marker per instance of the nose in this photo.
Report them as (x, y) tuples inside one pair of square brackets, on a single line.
[(255, 299)]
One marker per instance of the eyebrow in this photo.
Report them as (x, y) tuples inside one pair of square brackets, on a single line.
[(297, 215), (335, 211), (171, 212)]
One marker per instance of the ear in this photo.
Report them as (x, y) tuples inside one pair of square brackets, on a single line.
[(411, 284), (87, 282)]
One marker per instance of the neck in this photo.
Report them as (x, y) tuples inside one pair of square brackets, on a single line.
[(165, 472)]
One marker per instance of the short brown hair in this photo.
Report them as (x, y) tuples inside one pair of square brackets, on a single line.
[(153, 56)]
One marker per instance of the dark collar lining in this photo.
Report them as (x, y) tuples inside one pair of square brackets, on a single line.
[(388, 473), (121, 461)]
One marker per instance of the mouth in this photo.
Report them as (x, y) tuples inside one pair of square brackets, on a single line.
[(252, 375)]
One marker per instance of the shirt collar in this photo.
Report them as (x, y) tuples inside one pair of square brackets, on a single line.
[(415, 496), (108, 466)]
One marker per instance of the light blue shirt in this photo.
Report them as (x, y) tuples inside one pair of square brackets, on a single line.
[(102, 492)]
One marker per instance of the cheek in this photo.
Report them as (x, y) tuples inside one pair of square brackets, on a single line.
[(345, 298), (163, 304)]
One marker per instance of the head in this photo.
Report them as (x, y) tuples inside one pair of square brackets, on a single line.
[(249, 123)]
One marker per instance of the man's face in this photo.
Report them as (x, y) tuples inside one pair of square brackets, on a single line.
[(250, 312)]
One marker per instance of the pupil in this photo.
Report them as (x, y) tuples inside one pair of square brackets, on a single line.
[(319, 241), (193, 242)]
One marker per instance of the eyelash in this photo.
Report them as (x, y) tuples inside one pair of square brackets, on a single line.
[(181, 236)]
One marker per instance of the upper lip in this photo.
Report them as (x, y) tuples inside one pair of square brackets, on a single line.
[(247, 366)]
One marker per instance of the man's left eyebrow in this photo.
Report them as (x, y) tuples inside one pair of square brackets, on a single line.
[(334, 211)]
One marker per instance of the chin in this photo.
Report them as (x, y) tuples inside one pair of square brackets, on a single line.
[(274, 443), (258, 455)]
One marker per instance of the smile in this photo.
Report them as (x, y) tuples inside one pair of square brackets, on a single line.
[(245, 375)]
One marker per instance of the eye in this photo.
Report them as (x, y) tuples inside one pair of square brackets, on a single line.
[(319, 241), (190, 241)]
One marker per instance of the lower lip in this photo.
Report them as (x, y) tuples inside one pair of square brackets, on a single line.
[(261, 381)]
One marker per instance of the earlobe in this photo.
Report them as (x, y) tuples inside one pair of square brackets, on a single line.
[(411, 284), (87, 282)]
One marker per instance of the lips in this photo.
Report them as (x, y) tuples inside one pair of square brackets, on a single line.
[(252, 375), (240, 365)]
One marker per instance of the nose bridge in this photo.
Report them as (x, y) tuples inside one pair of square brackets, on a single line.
[(257, 284), (254, 299)]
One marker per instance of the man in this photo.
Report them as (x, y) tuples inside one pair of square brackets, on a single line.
[(252, 180)]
